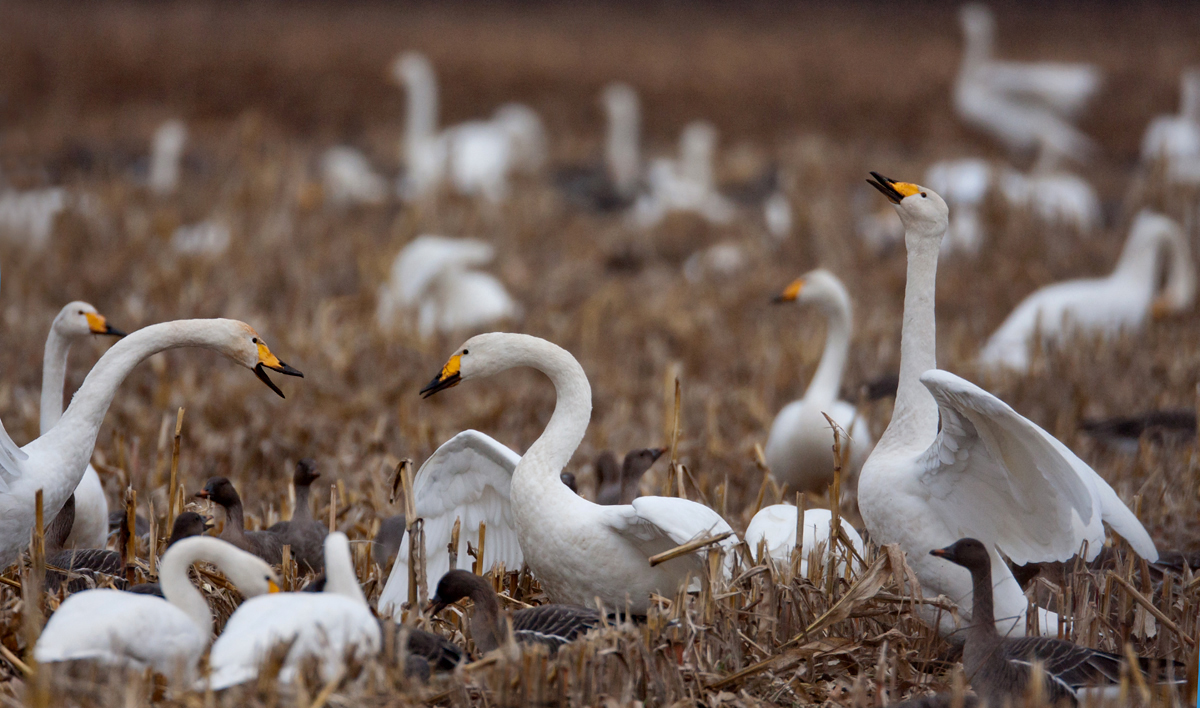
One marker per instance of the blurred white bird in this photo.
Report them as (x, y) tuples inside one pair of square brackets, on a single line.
[(349, 178), (28, 216), (775, 528), (613, 184), (165, 155), (686, 184), (1105, 306), (1020, 104), (477, 156), (1053, 195), (433, 275), (1175, 140), (964, 184), (206, 238)]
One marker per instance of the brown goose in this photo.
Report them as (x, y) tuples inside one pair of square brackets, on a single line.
[(94, 563), (620, 486), (187, 524), (552, 625), (305, 535), (1001, 668), (264, 544)]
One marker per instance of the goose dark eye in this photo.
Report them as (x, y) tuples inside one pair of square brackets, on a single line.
[(924, 195)]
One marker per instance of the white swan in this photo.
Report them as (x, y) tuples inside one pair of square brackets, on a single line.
[(467, 479), (165, 155), (775, 527), (1052, 194), (582, 552), (477, 156), (1121, 300), (348, 178), (622, 154), (76, 321), (56, 462), (138, 630), (28, 217), (799, 448), (1176, 137), (329, 625), (1022, 105), (433, 275), (686, 184), (987, 473)]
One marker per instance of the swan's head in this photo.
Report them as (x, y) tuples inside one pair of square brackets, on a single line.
[(412, 68), (922, 211), (620, 100), (246, 347), (480, 356), (79, 319), (252, 575), (978, 22), (818, 287), (967, 552)]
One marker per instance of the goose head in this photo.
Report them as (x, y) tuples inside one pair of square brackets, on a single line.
[(188, 524), (922, 211), (457, 585), (240, 342), (306, 472), (219, 490), (79, 319), (967, 552)]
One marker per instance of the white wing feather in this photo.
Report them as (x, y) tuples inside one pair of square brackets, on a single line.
[(993, 474), (11, 456), (657, 524), (467, 478)]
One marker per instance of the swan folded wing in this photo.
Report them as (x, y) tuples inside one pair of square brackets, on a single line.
[(992, 474), (657, 524), (10, 457), (466, 479), (1066, 88)]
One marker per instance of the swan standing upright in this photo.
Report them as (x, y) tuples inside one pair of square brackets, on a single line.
[(956, 461), (1121, 300), (800, 447), (139, 630), (56, 462), (582, 552), (75, 321)]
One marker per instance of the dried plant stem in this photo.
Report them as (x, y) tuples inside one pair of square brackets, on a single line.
[(452, 547), (689, 547), (171, 508)]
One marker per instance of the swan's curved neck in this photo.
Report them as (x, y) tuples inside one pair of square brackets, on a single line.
[(178, 588), (340, 578), (915, 416), (1139, 261), (73, 439), (621, 148), (551, 452), (824, 386), (54, 374), (422, 107)]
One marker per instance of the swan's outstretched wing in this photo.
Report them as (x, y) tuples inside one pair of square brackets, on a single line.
[(993, 474), (467, 478), (657, 524), (10, 456)]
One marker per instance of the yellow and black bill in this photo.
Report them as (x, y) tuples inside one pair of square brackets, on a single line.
[(449, 377), (98, 324), (893, 190), (791, 292), (267, 360)]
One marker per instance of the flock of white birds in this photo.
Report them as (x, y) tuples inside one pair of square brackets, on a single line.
[(954, 462)]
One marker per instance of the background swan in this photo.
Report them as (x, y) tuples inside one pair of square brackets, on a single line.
[(56, 462), (614, 183), (579, 551), (468, 479), (775, 527), (327, 625), (799, 448), (348, 177), (1121, 300), (1176, 137), (686, 184), (1020, 104), (1053, 195), (434, 275), (956, 461), (74, 322), (165, 155), (143, 631)]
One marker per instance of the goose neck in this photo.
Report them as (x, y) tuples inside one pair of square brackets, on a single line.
[(54, 374), (303, 511), (827, 379), (235, 520), (486, 621), (915, 416), (981, 634)]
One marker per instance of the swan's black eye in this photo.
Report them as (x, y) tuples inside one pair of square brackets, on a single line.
[(254, 340), (924, 195), (81, 312), (465, 352)]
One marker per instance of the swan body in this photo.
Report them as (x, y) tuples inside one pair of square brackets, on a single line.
[(165, 154), (28, 216), (144, 631), (349, 178), (1177, 137), (327, 625), (582, 553), (775, 527), (1105, 306), (75, 321), (56, 461), (468, 479), (478, 156), (1022, 105), (799, 449), (956, 461), (434, 275), (686, 184)]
